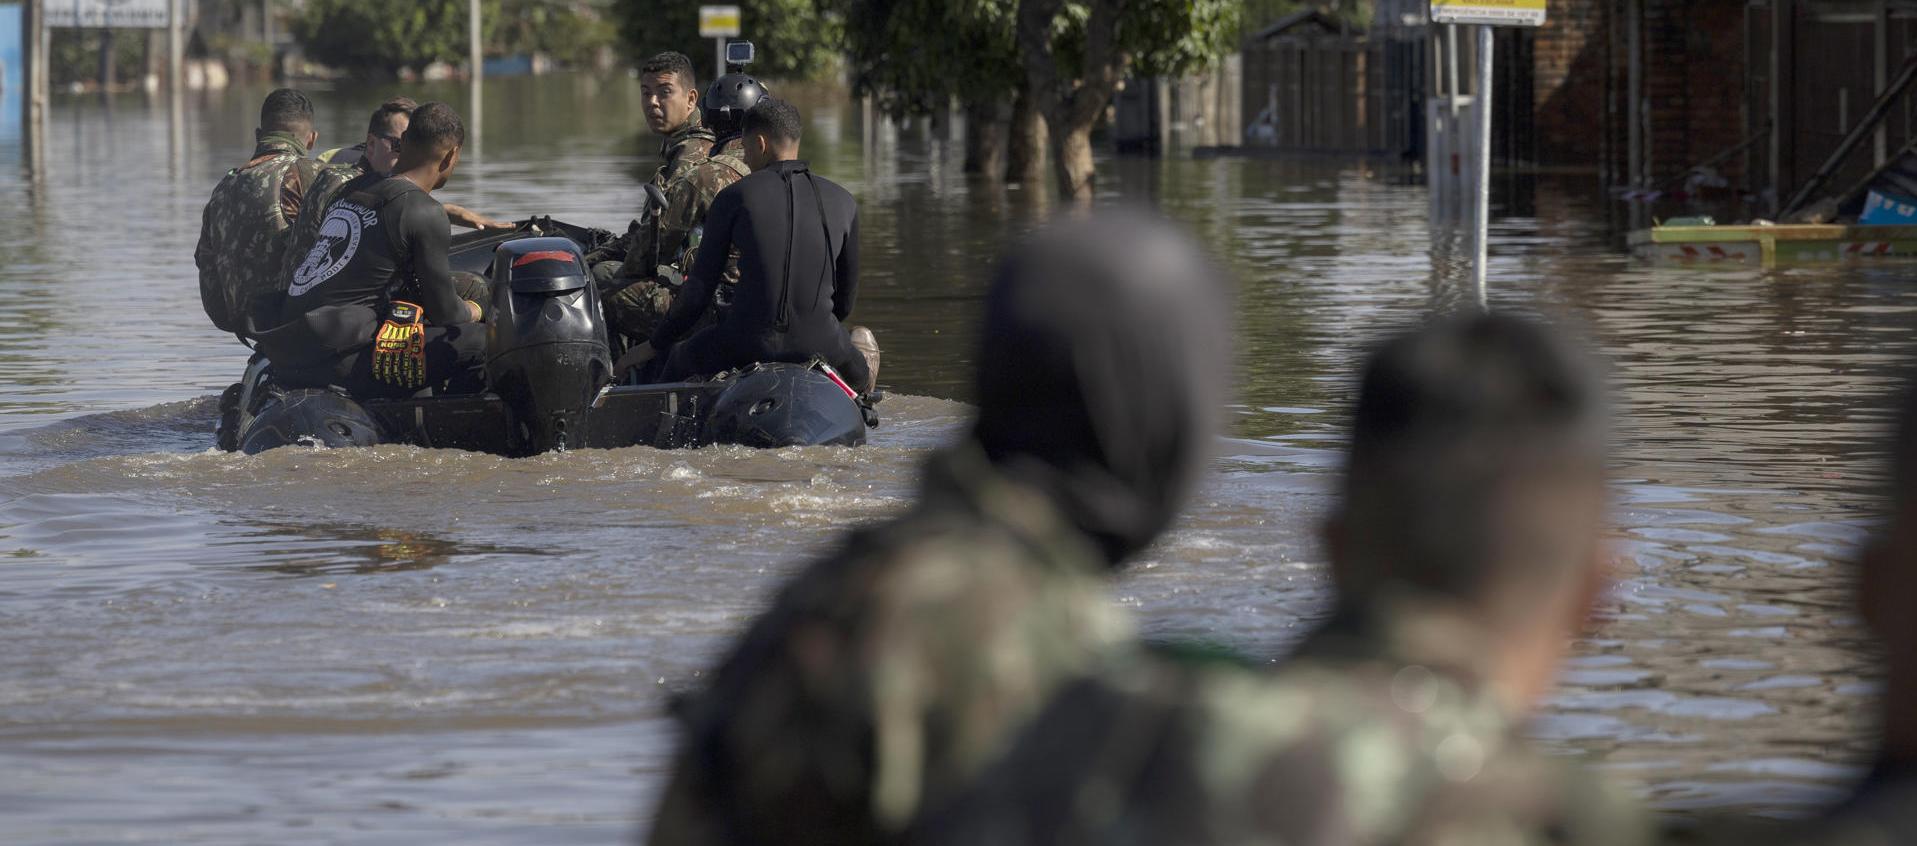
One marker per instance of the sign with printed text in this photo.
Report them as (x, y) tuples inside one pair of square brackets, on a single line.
[(718, 21), (1491, 12), (131, 14)]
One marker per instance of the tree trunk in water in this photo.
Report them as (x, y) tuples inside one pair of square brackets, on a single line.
[(1072, 157), (107, 71), (1072, 106), (985, 131), (1027, 150)]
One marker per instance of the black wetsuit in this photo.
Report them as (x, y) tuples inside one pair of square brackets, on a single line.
[(798, 241), (385, 238)]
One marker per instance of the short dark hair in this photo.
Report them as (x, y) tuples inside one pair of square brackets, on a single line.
[(775, 119), (435, 127), (672, 62), (383, 116), (1448, 417), (286, 110)]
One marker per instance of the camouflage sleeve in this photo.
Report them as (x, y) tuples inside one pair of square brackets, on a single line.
[(204, 254)]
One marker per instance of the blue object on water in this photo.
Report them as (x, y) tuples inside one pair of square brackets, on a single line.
[(10, 71), (1881, 209)]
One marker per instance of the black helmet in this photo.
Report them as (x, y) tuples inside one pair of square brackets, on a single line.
[(727, 101)]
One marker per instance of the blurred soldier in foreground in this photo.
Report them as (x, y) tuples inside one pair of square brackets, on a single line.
[(637, 295), (1883, 809), (888, 674), (244, 231), (1466, 552)]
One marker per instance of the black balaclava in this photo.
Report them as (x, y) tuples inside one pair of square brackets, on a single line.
[(1102, 371)]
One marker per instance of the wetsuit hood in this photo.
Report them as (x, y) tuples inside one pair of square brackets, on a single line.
[(1103, 366)]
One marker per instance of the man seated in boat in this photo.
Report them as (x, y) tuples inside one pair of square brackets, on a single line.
[(798, 241), (341, 323)]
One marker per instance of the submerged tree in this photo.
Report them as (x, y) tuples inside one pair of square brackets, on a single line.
[(916, 56), (372, 36), (1075, 55), (378, 36)]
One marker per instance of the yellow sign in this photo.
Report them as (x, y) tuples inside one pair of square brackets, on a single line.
[(720, 21), (1492, 12)]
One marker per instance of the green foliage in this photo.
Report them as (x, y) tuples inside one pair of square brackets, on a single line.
[(74, 55), (384, 37), (914, 55), (1177, 37), (564, 32), (796, 39), (377, 36)]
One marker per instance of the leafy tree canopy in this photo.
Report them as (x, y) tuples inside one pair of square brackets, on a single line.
[(382, 36), (796, 39)]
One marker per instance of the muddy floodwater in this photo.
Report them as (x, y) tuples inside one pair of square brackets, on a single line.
[(430, 646)]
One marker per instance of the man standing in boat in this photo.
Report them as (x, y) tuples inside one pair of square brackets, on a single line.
[(341, 323), (797, 238), (245, 229)]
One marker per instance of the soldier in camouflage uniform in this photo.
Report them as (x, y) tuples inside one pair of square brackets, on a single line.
[(637, 296), (1467, 551), (891, 671), (669, 88), (245, 228)]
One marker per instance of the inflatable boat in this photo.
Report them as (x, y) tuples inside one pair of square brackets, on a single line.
[(548, 379)]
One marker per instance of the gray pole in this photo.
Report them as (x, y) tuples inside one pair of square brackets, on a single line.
[(175, 47), (719, 52), (478, 72), (38, 85), (1481, 213), (32, 16), (176, 86)]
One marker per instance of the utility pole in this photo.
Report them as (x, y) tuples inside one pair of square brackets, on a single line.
[(33, 55), (476, 60), (1481, 210)]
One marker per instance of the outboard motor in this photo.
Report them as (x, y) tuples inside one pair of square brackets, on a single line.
[(547, 355), (779, 405), (310, 417)]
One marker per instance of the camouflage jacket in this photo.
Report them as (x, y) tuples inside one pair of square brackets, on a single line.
[(680, 152), (243, 231), (889, 673), (1377, 732), (688, 198)]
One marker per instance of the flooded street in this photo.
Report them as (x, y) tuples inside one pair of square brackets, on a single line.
[(400, 644)]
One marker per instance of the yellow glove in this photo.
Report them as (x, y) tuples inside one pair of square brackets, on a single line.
[(399, 350)]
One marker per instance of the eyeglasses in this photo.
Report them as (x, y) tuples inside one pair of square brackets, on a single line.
[(392, 140)]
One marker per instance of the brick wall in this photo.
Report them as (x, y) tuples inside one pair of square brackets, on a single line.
[(1569, 83), (1693, 78)]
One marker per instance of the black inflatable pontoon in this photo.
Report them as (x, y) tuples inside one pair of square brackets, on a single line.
[(548, 379)]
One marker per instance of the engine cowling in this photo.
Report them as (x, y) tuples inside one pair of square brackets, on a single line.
[(547, 355)]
